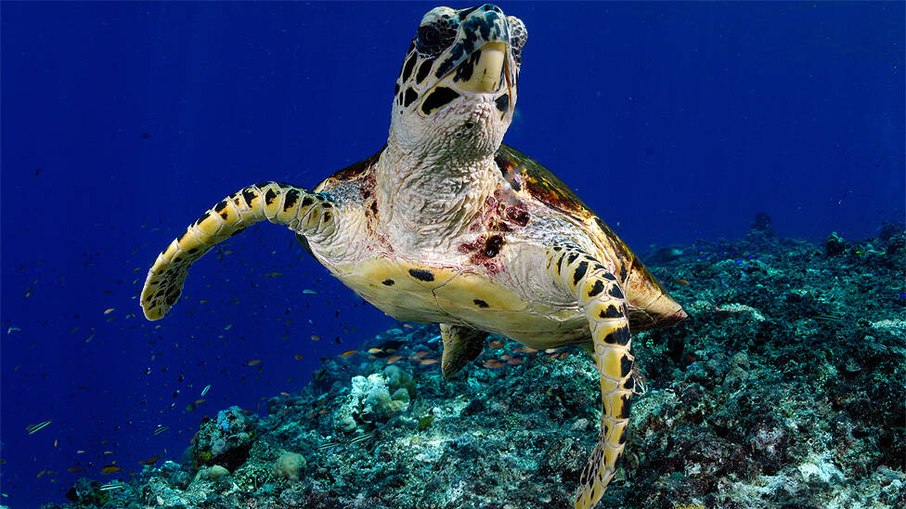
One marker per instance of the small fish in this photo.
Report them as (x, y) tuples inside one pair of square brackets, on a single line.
[(309, 292), (525, 349), (150, 461), (361, 438), (496, 344), (41, 474), (513, 361), (111, 486), (395, 358), (75, 469), (375, 350), (205, 390), (493, 363), (329, 445), (315, 338), (419, 355), (108, 453), (406, 325), (34, 428), (253, 362), (111, 469), (298, 357), (159, 430), (348, 353), (108, 311), (272, 275), (426, 362), (13, 329), (683, 282)]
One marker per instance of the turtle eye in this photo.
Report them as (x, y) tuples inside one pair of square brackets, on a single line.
[(428, 36)]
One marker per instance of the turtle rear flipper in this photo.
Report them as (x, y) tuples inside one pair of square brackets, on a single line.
[(598, 293), (304, 212), (462, 345)]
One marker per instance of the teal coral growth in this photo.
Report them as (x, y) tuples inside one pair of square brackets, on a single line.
[(783, 390)]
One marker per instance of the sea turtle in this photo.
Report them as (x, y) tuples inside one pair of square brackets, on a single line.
[(447, 225)]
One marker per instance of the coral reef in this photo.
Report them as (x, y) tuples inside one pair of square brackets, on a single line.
[(784, 389)]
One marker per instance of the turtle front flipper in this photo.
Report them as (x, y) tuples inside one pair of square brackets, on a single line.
[(600, 296), (310, 214), (462, 345)]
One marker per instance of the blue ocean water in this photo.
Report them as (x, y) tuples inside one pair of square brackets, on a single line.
[(121, 122)]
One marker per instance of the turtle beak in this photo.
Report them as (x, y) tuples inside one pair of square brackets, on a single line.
[(488, 69)]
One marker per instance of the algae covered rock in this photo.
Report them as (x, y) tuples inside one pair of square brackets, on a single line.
[(226, 439), (374, 399), (289, 466)]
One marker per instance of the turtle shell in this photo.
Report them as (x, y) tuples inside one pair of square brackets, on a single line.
[(649, 304)]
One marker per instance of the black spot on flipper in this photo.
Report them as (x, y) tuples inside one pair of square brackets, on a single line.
[(388, 282), (181, 236), (269, 196), (629, 383), (625, 366), (307, 201), (220, 206), (597, 289), (624, 414), (606, 275), (248, 196), (480, 303), (615, 292), (202, 218), (619, 337), (422, 275), (327, 217), (622, 272), (193, 250), (291, 197), (580, 272), (237, 232), (572, 257), (622, 439), (611, 312)]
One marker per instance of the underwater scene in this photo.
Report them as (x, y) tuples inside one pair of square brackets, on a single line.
[(524, 255)]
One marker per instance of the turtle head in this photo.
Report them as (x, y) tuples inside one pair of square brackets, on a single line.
[(456, 90)]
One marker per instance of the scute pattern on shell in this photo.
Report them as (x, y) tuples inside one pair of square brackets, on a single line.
[(522, 172)]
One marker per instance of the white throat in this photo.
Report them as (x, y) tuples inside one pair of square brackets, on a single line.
[(424, 203)]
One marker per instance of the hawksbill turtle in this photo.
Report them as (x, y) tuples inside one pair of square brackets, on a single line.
[(447, 225)]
